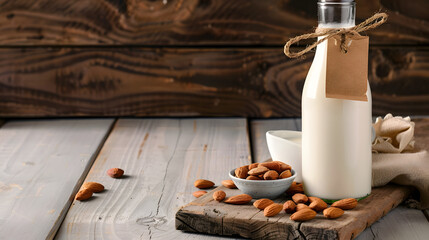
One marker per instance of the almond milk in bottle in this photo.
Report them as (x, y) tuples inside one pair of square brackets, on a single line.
[(336, 133)]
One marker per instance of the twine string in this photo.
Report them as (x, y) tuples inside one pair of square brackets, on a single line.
[(370, 23)]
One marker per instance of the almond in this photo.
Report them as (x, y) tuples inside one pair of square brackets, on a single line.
[(253, 165), (345, 204), (198, 194), (285, 174), (283, 166), (261, 176), (83, 194), (333, 212), (115, 172), (317, 204), (203, 183), (241, 172), (300, 198), (301, 206), (273, 210), (312, 199), (262, 203), (93, 187), (258, 171), (271, 165), (253, 178), (271, 175), (303, 215), (229, 184), (239, 199), (289, 206), (295, 188), (219, 195)]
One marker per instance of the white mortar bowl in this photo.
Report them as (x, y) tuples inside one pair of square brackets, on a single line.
[(285, 146), (263, 188)]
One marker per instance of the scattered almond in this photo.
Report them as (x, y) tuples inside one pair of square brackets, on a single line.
[(285, 174), (241, 172), (203, 183), (300, 198), (253, 165), (283, 166), (198, 194), (115, 172), (345, 204), (271, 175), (83, 194), (271, 165), (258, 171), (262, 203), (93, 187), (229, 184), (333, 212), (289, 206), (301, 206), (295, 188), (252, 178), (317, 204), (273, 210), (219, 195), (239, 199), (303, 215)]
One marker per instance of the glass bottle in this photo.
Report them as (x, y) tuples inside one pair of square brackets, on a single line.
[(336, 133)]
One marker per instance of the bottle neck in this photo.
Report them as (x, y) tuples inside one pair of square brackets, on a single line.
[(336, 14)]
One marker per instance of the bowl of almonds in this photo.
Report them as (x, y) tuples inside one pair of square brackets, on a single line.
[(263, 180)]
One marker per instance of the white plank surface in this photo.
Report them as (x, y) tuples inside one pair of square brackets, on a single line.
[(42, 163), (161, 158), (400, 223)]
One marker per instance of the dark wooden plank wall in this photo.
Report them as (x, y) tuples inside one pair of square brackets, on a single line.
[(190, 57)]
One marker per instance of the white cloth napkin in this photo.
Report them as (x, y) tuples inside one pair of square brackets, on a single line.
[(393, 134), (395, 159)]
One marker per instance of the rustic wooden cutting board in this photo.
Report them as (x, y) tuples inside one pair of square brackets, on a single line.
[(204, 215)]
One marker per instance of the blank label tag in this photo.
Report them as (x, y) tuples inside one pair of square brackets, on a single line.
[(347, 73)]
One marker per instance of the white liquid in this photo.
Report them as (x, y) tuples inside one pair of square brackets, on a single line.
[(336, 139)]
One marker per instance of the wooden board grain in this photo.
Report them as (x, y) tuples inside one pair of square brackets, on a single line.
[(208, 216), (246, 82), (43, 163), (192, 22), (161, 159)]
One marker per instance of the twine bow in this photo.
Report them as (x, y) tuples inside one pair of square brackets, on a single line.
[(372, 22)]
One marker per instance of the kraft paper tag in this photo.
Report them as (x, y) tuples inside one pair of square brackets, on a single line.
[(347, 73)]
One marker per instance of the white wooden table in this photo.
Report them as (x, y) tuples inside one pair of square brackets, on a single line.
[(44, 162)]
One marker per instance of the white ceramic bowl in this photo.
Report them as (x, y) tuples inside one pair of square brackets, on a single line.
[(263, 188), (285, 146)]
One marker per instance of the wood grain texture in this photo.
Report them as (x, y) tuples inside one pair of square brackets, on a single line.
[(161, 159), (43, 163), (175, 82), (192, 22), (208, 216), (421, 132)]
